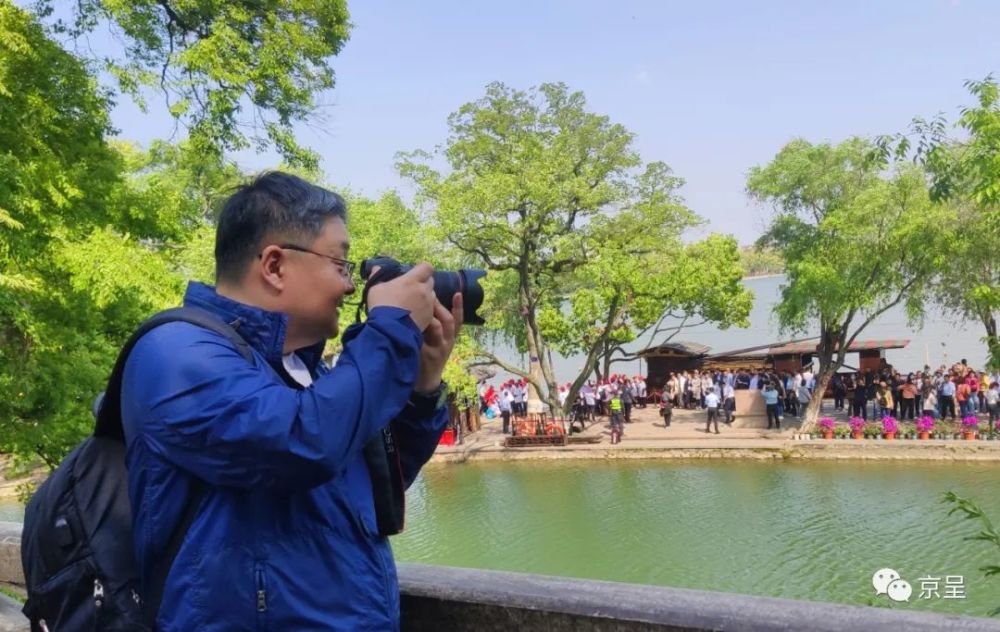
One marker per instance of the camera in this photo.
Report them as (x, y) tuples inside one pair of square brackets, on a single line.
[(446, 284)]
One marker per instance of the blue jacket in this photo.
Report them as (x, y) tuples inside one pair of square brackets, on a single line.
[(286, 537)]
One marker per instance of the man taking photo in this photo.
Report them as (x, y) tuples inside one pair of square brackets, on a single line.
[(295, 469)]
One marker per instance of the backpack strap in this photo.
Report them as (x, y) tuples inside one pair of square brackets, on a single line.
[(108, 411), (108, 405)]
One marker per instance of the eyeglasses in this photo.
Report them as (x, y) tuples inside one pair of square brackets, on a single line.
[(347, 267)]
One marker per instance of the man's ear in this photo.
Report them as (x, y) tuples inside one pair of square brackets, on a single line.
[(271, 266)]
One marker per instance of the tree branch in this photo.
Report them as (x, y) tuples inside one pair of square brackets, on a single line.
[(492, 360)]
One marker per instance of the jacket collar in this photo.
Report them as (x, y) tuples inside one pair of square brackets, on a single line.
[(263, 330)]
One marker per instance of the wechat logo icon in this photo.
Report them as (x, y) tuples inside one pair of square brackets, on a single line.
[(888, 582)]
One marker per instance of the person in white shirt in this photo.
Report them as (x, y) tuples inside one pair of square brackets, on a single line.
[(712, 404), (641, 387), (505, 402), (591, 401), (520, 396), (728, 401)]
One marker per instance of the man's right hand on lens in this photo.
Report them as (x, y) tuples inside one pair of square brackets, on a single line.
[(413, 291)]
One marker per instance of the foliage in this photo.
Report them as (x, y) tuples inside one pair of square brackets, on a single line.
[(582, 240), (214, 60), (56, 170), (965, 173), (988, 533), (760, 261), (857, 240)]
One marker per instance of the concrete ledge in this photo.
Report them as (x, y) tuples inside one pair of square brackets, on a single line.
[(11, 573), (442, 598), (437, 598)]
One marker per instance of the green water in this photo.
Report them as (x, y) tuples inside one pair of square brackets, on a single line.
[(802, 530), (815, 530)]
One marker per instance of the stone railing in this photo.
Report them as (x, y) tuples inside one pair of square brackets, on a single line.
[(442, 598)]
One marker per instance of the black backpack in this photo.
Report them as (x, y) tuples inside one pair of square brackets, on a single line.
[(76, 544)]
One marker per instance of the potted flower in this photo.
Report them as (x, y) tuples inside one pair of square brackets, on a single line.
[(924, 426), (826, 425), (889, 427), (857, 425), (970, 424)]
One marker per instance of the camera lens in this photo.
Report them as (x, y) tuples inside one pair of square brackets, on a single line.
[(466, 281)]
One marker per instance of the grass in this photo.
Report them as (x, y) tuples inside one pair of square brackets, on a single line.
[(13, 594)]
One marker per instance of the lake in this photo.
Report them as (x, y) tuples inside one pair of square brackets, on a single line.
[(802, 530)]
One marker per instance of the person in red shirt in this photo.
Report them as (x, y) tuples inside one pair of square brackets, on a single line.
[(973, 383), (908, 397), (962, 393)]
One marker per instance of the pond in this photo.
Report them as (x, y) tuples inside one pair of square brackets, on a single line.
[(797, 529), (801, 530)]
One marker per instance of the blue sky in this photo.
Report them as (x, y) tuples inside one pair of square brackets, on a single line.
[(711, 88)]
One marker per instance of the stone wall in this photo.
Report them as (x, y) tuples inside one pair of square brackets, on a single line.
[(436, 598)]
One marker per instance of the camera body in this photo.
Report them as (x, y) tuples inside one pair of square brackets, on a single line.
[(446, 284)]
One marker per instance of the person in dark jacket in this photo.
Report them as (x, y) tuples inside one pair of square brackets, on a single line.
[(288, 461)]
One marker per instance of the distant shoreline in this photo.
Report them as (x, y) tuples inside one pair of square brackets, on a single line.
[(763, 276), (752, 449)]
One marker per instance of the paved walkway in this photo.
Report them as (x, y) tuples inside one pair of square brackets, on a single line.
[(686, 436)]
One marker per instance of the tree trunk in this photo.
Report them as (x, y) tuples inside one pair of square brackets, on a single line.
[(539, 368), (992, 341), (812, 410), (830, 340)]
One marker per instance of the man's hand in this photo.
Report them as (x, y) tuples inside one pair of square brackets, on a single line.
[(413, 291), (439, 340)]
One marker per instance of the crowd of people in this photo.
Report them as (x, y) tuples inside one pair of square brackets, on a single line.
[(946, 392), (959, 391)]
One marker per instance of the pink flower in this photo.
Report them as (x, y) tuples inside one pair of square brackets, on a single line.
[(857, 424), (971, 422), (889, 424), (826, 423), (925, 424)]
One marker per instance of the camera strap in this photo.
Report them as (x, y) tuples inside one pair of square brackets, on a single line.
[(382, 275)]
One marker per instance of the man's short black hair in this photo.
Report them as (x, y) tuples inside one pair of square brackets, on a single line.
[(274, 205)]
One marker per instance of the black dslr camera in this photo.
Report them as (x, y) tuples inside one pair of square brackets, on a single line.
[(446, 284)]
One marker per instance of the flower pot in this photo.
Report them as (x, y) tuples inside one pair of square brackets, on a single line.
[(923, 435), (969, 435), (889, 436), (857, 434), (828, 434)]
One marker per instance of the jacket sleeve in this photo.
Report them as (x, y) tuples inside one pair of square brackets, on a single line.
[(197, 403), (416, 439)]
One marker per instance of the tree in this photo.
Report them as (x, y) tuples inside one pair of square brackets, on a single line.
[(855, 241), (757, 261), (79, 264), (96, 235), (555, 202), (213, 60), (637, 289), (965, 173), (968, 284)]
